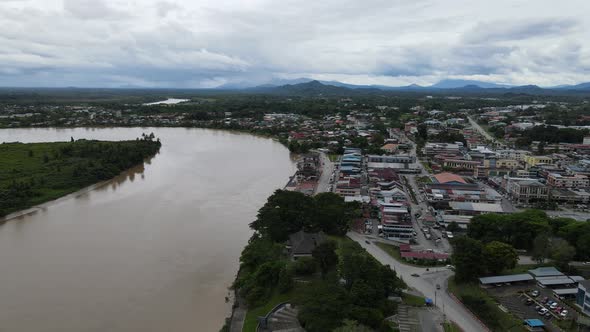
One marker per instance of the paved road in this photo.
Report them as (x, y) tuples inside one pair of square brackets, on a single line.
[(477, 127), (422, 207), (327, 168), (426, 284)]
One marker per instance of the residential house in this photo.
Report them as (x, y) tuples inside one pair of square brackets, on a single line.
[(302, 244)]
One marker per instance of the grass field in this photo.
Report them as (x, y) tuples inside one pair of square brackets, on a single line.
[(31, 174), (413, 300)]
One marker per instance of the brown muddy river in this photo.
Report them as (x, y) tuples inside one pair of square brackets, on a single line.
[(153, 250)]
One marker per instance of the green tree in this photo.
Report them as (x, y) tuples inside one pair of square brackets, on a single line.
[(453, 227), (562, 252), (286, 281), (423, 131), (467, 258), (541, 250), (499, 256), (325, 255), (352, 326), (323, 306), (331, 214)]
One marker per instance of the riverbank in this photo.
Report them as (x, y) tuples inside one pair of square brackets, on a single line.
[(33, 174)]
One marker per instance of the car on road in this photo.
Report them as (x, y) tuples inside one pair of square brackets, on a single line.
[(450, 267), (437, 286), (415, 275), (535, 293)]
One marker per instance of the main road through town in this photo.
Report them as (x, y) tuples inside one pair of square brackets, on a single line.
[(426, 284), (327, 169)]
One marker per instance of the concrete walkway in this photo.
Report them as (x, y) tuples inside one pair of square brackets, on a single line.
[(238, 316)]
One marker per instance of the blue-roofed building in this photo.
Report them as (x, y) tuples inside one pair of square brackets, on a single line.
[(534, 325)]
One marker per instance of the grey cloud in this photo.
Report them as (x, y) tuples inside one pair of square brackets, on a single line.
[(92, 9), (185, 43), (509, 30)]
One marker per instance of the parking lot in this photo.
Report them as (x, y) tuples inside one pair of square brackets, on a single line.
[(519, 300)]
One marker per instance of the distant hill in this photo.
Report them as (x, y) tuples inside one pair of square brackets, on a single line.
[(581, 86), (318, 88), (450, 85), (453, 84)]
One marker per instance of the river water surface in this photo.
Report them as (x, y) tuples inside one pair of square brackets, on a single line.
[(153, 250)]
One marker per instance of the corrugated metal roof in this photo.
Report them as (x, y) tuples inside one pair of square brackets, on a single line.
[(545, 272), (507, 278), (555, 280), (566, 291)]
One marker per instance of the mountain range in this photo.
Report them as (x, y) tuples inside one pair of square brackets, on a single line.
[(447, 84), (448, 87)]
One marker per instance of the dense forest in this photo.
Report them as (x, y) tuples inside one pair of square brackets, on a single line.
[(34, 173), (341, 281), (551, 134)]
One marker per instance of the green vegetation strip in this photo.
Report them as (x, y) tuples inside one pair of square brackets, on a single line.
[(413, 300), (451, 327), (480, 303), (31, 174)]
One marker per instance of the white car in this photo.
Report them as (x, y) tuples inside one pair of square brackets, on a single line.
[(543, 311), (553, 305), (563, 313)]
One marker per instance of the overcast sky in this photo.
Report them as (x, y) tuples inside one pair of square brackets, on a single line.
[(193, 44)]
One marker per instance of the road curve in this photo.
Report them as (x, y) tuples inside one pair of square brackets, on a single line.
[(426, 284)]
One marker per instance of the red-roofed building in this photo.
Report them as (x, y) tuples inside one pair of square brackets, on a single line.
[(424, 255), (404, 247), (449, 178)]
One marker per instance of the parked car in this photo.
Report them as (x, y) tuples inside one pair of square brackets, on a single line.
[(557, 310), (563, 313), (553, 305), (415, 275), (548, 315), (437, 286), (529, 301), (544, 300), (543, 311), (535, 293), (538, 307)]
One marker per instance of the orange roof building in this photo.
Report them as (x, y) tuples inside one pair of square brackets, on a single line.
[(449, 178)]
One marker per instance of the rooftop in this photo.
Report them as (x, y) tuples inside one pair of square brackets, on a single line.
[(477, 207), (545, 272), (507, 278), (449, 177), (534, 322)]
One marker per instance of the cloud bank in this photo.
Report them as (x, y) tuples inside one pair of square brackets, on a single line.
[(195, 44)]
